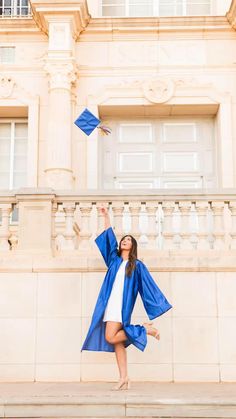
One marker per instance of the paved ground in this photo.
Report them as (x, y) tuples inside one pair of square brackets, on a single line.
[(141, 390), (95, 399)]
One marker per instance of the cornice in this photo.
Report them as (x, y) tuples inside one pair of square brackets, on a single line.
[(180, 25), (19, 26), (115, 28), (44, 10), (231, 15)]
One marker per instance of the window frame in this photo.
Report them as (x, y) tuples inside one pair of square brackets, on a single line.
[(203, 125), (9, 47), (12, 122), (156, 8), (15, 9)]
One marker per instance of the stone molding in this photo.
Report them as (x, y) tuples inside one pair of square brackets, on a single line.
[(6, 86), (158, 28), (116, 28), (62, 73), (159, 89), (78, 10), (231, 15)]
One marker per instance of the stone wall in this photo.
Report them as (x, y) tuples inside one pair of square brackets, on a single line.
[(44, 318)]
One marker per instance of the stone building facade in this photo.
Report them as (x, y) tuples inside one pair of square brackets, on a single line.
[(163, 78)]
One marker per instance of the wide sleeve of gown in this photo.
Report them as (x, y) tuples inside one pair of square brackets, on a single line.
[(107, 245), (154, 301)]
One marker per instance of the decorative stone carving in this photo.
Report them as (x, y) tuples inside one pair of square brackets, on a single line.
[(158, 90), (62, 74), (6, 86)]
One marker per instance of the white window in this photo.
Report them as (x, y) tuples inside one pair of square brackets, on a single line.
[(184, 7), (14, 8), (13, 154), (161, 153), (133, 133), (156, 7), (7, 55)]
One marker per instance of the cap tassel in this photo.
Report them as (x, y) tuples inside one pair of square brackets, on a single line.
[(104, 129)]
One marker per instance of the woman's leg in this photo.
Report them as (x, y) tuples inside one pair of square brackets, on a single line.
[(114, 333), (121, 359)]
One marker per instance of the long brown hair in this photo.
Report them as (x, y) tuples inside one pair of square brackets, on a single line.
[(133, 255)]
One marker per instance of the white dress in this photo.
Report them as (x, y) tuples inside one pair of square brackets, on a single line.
[(114, 305)]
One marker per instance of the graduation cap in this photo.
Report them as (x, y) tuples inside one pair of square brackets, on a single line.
[(87, 122)]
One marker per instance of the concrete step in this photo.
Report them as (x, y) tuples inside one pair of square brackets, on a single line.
[(96, 400)]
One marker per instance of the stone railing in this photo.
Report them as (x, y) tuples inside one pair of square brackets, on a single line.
[(46, 221)]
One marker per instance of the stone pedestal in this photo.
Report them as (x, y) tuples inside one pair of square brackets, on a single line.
[(35, 223)]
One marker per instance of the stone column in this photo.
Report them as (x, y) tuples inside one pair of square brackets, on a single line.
[(61, 69), (58, 167)]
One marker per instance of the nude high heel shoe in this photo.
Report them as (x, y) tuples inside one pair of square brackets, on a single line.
[(123, 384), (156, 333)]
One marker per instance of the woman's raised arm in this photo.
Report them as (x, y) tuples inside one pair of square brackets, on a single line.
[(104, 211), (106, 241)]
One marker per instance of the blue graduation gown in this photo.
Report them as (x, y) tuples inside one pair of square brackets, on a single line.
[(140, 281)]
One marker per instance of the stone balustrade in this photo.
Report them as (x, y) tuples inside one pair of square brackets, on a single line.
[(66, 222)]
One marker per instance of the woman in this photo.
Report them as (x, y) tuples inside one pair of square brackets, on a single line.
[(110, 328)]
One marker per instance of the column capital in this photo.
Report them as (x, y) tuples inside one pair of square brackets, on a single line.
[(44, 10), (62, 73)]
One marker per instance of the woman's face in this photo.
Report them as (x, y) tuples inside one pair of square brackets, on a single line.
[(126, 243)]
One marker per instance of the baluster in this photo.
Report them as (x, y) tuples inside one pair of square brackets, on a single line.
[(232, 207), (85, 232), (168, 231), (4, 228), (118, 209), (218, 220), (134, 208), (185, 208), (202, 234), (100, 218), (69, 233), (14, 241), (152, 231), (54, 233)]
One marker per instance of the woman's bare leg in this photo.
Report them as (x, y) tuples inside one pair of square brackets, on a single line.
[(121, 359), (115, 333)]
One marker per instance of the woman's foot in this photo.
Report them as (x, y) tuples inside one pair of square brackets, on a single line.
[(123, 384), (152, 331)]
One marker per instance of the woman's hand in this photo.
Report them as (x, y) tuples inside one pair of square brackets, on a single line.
[(104, 211)]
